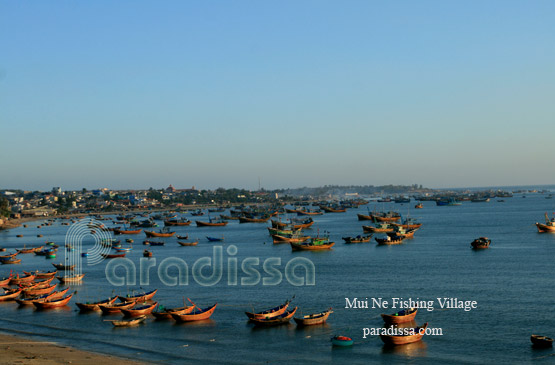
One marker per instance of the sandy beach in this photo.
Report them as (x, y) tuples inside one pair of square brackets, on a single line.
[(18, 350)]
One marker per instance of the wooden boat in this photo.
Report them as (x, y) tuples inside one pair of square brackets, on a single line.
[(188, 243), (70, 279), (269, 313), (390, 240), (385, 217), (11, 261), (289, 238), (253, 220), (479, 243), (314, 244), (84, 307), (357, 239), (129, 322), (283, 318), (400, 232), (313, 319), (10, 294), (401, 340), (364, 217), (167, 313), (139, 311), (400, 317), (177, 222), (303, 225), (17, 280), (123, 231), (35, 292), (29, 301), (548, 226), (52, 303), (63, 267), (186, 237), (141, 297), (112, 308), (196, 314), (278, 224), (214, 239), (57, 294), (211, 224), (541, 341), (328, 209), (159, 234), (154, 243), (342, 341), (112, 256), (197, 213), (8, 257), (379, 228), (29, 250), (408, 223), (419, 206), (123, 249), (309, 212), (5, 282), (42, 275), (147, 253)]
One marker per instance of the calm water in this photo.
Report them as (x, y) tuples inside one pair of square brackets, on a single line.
[(512, 282)]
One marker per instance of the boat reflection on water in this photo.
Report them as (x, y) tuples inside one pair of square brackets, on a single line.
[(204, 323), (414, 349), (315, 329)]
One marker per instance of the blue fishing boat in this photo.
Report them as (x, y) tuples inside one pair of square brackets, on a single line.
[(215, 239)]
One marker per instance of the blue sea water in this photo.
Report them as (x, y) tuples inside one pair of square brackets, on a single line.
[(512, 283)]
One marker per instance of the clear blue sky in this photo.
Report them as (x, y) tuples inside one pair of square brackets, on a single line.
[(218, 93)]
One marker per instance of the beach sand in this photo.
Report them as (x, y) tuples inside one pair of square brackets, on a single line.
[(18, 350)]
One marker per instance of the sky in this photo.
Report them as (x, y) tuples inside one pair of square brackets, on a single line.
[(138, 94)]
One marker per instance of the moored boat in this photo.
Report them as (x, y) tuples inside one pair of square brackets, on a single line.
[(63, 267), (112, 308), (196, 314), (269, 313), (159, 234), (400, 317), (313, 319), (216, 223), (10, 294), (187, 243), (123, 231), (128, 322), (167, 313), (541, 341), (139, 311), (283, 318), (42, 275), (95, 306), (53, 303), (113, 256), (17, 280), (548, 226), (70, 278), (418, 332), (314, 244), (357, 239), (147, 253), (389, 240), (140, 297), (214, 239), (342, 341)]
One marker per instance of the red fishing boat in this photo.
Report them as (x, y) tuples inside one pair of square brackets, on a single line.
[(139, 311)]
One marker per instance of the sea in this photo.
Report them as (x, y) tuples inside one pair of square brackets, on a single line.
[(512, 284)]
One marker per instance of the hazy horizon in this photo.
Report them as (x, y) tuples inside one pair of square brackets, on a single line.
[(304, 93)]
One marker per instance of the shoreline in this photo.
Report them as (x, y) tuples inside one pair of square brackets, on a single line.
[(18, 349)]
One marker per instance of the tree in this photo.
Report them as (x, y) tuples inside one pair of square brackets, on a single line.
[(4, 207)]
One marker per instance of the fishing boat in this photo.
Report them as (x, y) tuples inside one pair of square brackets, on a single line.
[(314, 244), (139, 311), (57, 294), (329, 209), (396, 240), (197, 213), (70, 278), (186, 237), (364, 217), (176, 222), (401, 232), (447, 202), (480, 200), (10, 294), (313, 319), (341, 341), (52, 303), (84, 307), (167, 313), (154, 243), (188, 243), (419, 206), (385, 216), (23, 302), (17, 280), (123, 231), (214, 239), (309, 212), (479, 243), (63, 267), (29, 250), (541, 341), (5, 281), (548, 226), (11, 261), (112, 308), (383, 227), (35, 292), (8, 257), (400, 317), (123, 249), (215, 223), (357, 239), (278, 224), (196, 314), (283, 318), (269, 313), (141, 297), (113, 256), (296, 238), (402, 340), (295, 225), (161, 233), (42, 275), (253, 220), (409, 223), (129, 322), (147, 253)]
